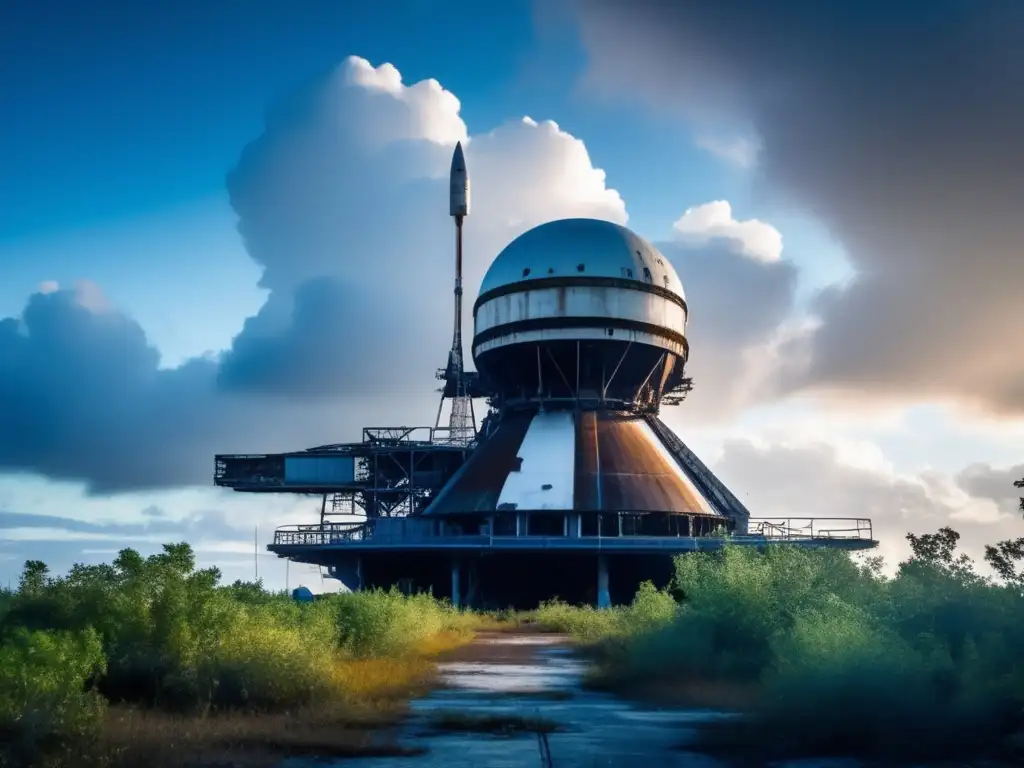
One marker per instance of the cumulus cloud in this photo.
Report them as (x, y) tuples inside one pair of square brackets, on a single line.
[(851, 479), (712, 221), (898, 129), (343, 203)]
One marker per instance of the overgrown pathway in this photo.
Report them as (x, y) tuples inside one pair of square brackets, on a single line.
[(514, 699)]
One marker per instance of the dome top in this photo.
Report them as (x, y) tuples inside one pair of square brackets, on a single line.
[(581, 248)]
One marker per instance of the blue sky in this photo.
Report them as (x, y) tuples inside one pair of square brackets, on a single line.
[(128, 118), (126, 130)]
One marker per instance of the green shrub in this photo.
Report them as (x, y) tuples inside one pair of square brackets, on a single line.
[(650, 609), (847, 660), (44, 697), (158, 631)]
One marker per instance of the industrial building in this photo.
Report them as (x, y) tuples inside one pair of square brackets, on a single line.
[(572, 486)]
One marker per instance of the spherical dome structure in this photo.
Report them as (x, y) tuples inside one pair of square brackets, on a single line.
[(581, 310), (575, 247)]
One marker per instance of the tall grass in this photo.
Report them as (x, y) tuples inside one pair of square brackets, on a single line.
[(840, 659), (159, 633)]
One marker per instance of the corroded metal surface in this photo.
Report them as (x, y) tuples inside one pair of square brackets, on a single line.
[(620, 466), (477, 486)]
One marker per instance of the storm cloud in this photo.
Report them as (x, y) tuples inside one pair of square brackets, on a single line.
[(738, 309), (898, 126), (82, 397)]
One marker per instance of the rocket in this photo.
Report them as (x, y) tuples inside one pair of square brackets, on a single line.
[(459, 182)]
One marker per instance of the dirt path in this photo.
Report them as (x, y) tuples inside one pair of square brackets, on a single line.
[(514, 700)]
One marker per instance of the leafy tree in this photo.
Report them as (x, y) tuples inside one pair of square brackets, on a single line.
[(1003, 557), (936, 552), (34, 577)]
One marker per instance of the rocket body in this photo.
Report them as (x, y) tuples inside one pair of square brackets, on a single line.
[(459, 182)]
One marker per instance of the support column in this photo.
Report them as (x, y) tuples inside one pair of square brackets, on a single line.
[(473, 596), (456, 583), (604, 599)]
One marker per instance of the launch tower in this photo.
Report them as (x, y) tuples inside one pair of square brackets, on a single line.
[(462, 421)]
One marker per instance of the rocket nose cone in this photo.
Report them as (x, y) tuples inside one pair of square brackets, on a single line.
[(459, 183), (458, 159)]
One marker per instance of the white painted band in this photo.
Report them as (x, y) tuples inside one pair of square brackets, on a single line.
[(582, 301), (580, 334)]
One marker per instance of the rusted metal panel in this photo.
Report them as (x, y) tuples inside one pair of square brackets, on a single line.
[(620, 468), (587, 492), (477, 486), (620, 465)]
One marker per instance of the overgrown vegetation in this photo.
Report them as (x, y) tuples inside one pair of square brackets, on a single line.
[(160, 635), (650, 610), (833, 656)]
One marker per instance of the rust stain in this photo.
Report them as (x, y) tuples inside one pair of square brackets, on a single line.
[(634, 473), (560, 300), (585, 495)]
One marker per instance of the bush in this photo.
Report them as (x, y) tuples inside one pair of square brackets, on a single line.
[(387, 623), (43, 689), (845, 660), (156, 631), (650, 610)]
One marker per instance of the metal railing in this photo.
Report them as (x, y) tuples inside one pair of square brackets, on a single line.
[(783, 528), (777, 529), (320, 535)]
